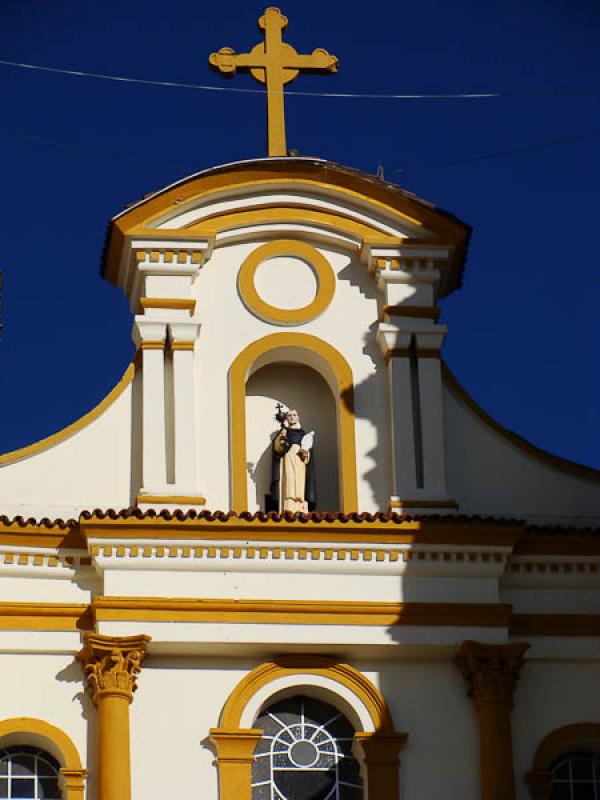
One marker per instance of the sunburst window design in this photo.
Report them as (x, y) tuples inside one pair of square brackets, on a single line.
[(305, 753)]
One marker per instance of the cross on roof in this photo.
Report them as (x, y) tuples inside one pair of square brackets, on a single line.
[(275, 63)]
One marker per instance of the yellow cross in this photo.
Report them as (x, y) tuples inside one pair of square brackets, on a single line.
[(275, 63)]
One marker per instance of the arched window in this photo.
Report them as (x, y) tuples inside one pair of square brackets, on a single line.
[(576, 776), (305, 753), (28, 772)]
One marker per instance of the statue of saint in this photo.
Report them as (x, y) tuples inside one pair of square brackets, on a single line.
[(293, 475)]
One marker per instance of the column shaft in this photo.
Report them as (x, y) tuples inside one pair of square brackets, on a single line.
[(495, 752), (491, 672), (114, 757)]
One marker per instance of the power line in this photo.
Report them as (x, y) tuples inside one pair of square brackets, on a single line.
[(532, 148), (238, 90)]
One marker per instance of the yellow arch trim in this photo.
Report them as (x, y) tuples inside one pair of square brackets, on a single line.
[(238, 374), (562, 739), (287, 316), (278, 214), (288, 172), (70, 430), (343, 674), (72, 771)]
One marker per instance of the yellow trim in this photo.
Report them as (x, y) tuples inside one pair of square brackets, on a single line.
[(299, 612), (45, 617), (179, 304), (236, 529), (181, 345), (420, 312), (152, 344), (289, 173), (283, 316), (555, 461), (344, 674), (171, 499), (276, 215), (344, 396), (579, 736), (555, 625), (48, 737), (70, 430), (400, 504), (380, 749)]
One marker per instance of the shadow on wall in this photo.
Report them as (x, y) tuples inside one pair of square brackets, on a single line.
[(370, 402), (300, 387)]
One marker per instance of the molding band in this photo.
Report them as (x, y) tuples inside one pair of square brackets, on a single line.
[(171, 499), (420, 312), (179, 304), (181, 345), (152, 344)]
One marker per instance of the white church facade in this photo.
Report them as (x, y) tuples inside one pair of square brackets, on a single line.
[(428, 627)]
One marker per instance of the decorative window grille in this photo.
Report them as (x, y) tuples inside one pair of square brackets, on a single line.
[(305, 753), (576, 776), (26, 772)]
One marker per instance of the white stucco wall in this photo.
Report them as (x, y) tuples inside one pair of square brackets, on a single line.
[(489, 474)]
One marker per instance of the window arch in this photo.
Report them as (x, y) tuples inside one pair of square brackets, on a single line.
[(28, 734), (566, 765), (305, 751), (27, 771), (375, 739)]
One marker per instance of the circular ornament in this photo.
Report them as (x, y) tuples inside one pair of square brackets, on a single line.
[(322, 271)]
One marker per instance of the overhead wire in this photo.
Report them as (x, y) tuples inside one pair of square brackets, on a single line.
[(243, 90)]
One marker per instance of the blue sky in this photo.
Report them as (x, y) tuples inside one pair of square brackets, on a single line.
[(523, 169)]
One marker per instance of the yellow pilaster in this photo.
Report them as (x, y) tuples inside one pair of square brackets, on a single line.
[(111, 665), (235, 756), (491, 672), (380, 757)]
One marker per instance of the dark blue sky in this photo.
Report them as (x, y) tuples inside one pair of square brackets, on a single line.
[(524, 332)]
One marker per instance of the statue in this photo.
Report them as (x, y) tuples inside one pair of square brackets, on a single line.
[(293, 474)]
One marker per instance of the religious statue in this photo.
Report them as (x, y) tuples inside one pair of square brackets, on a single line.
[(293, 474)]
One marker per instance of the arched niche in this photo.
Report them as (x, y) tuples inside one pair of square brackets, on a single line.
[(295, 386), (335, 375)]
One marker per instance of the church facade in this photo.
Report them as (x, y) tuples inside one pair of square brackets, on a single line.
[(288, 557), (427, 630)]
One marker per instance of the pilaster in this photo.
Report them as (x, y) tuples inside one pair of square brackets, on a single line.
[(150, 336), (491, 672), (111, 666), (410, 339), (235, 756)]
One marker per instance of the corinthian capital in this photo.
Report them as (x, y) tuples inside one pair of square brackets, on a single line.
[(111, 663), (491, 671)]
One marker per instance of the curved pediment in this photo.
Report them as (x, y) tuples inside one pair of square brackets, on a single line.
[(285, 197)]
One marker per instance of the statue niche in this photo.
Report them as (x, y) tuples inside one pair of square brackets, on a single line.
[(274, 460)]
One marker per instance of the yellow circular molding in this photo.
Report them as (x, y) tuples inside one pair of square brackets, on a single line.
[(286, 316)]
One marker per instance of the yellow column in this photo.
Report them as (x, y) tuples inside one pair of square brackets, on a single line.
[(380, 758), (235, 756), (491, 672), (111, 665)]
